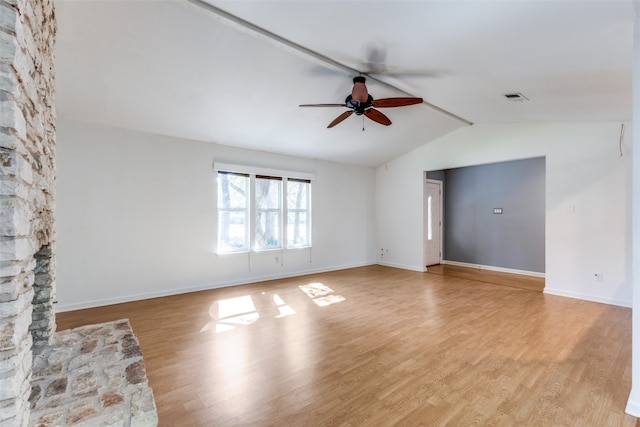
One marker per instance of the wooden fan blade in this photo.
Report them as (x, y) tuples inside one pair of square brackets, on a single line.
[(340, 118), (395, 102), (377, 116), (322, 105)]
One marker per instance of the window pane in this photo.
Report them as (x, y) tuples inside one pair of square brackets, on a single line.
[(298, 215), (297, 229), (297, 195), (232, 231), (267, 193), (233, 204), (268, 216), (268, 230), (232, 191)]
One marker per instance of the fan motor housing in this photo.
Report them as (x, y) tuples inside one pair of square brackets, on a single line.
[(358, 107)]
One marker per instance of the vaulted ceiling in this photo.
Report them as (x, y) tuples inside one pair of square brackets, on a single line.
[(234, 72)]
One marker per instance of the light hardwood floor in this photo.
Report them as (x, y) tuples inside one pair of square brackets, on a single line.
[(377, 346), (521, 281)]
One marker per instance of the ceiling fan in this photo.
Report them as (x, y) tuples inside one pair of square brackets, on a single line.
[(376, 64), (362, 103)]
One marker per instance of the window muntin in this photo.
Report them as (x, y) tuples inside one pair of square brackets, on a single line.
[(262, 212)]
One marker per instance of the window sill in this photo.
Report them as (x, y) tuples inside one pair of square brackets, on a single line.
[(263, 251)]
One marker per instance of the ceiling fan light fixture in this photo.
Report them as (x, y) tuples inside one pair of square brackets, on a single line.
[(517, 96)]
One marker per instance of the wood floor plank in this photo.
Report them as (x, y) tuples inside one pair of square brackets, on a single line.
[(379, 346)]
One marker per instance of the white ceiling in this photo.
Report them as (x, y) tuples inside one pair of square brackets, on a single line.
[(177, 68)]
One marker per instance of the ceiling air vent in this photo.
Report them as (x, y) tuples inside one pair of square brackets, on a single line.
[(515, 97)]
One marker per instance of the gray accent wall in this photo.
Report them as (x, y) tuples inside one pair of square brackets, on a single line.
[(474, 234)]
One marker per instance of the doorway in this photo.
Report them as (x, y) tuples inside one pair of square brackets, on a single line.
[(433, 222)]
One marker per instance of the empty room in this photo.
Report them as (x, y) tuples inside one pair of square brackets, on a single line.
[(325, 213)]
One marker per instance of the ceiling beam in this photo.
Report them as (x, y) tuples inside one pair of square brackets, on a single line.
[(281, 42)]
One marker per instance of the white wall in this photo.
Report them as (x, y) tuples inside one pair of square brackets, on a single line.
[(136, 217), (583, 169), (136, 212)]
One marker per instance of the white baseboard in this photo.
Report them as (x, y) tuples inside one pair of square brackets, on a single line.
[(586, 297), (175, 291), (633, 406), (402, 266), (547, 289), (60, 308), (492, 268)]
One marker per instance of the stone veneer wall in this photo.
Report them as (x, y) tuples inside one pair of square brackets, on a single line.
[(27, 191)]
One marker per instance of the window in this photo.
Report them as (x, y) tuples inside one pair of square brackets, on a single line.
[(262, 212)]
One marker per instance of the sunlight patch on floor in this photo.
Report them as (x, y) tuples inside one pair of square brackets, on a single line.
[(285, 310), (328, 300), (241, 311), (233, 306), (315, 290), (231, 313), (321, 294)]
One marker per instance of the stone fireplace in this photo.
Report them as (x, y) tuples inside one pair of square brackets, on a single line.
[(27, 196), (92, 375)]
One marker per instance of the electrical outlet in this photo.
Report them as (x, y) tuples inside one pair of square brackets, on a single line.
[(277, 260), (597, 276)]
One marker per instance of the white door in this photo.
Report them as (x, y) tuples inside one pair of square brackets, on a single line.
[(433, 222)]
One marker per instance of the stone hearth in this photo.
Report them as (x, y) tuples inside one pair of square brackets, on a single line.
[(92, 376)]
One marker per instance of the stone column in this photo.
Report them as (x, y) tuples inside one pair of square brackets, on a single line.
[(27, 191)]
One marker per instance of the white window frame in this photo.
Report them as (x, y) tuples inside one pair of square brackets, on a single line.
[(259, 172)]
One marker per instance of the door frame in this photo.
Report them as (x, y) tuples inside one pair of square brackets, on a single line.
[(426, 181)]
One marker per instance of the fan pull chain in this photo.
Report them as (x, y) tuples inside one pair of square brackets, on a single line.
[(363, 123)]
